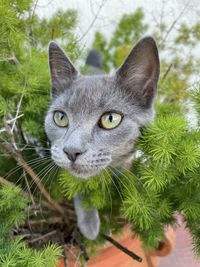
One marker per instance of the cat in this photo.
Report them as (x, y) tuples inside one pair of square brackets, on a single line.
[(94, 120)]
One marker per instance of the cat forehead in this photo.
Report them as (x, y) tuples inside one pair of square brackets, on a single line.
[(90, 93), (94, 86)]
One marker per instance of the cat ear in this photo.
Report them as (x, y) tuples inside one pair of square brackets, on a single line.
[(62, 70), (140, 72)]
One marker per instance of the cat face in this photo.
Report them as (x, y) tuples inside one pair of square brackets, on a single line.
[(93, 121)]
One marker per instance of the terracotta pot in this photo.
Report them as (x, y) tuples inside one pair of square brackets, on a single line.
[(110, 256)]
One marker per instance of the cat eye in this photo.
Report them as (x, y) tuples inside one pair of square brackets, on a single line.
[(110, 120), (60, 118)]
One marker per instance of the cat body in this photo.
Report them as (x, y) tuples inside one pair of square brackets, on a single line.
[(94, 120)]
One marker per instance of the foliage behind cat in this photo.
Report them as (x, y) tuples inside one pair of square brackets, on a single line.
[(94, 120)]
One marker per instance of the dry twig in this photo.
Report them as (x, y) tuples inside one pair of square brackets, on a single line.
[(43, 236)]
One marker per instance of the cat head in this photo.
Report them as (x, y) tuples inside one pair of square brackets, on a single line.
[(93, 121)]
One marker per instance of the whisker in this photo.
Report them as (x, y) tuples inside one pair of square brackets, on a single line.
[(120, 181), (113, 181), (25, 144), (50, 167), (41, 172), (36, 165), (111, 204), (53, 165), (18, 167), (103, 190), (140, 182)]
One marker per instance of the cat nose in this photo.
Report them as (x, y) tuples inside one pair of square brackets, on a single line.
[(72, 153)]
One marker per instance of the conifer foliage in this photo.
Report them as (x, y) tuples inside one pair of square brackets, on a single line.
[(36, 212)]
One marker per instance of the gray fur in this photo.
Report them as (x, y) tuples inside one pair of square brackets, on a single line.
[(84, 99)]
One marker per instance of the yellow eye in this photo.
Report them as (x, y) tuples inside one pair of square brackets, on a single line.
[(110, 120), (60, 118)]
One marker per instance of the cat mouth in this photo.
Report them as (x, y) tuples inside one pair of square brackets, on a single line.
[(84, 171), (81, 170)]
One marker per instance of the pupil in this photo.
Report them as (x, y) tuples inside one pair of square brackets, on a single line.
[(61, 116), (110, 118)]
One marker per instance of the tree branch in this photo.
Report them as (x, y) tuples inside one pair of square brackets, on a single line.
[(166, 73), (10, 121), (18, 157), (5, 182), (51, 220), (43, 236), (93, 21), (10, 135), (174, 23)]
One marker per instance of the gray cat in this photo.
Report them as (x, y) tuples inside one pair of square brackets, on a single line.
[(94, 121)]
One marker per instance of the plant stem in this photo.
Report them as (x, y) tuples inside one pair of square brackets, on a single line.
[(122, 248)]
